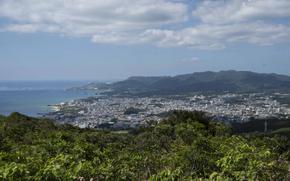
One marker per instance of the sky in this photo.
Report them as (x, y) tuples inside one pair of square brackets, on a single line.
[(115, 39)]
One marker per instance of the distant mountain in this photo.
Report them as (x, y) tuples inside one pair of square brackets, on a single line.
[(217, 82)]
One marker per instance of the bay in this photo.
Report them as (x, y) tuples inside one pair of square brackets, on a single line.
[(33, 97)]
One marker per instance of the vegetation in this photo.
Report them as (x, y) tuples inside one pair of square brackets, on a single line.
[(258, 125), (205, 82), (185, 146), (282, 131)]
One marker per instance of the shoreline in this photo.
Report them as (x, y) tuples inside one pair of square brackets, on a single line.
[(37, 103)]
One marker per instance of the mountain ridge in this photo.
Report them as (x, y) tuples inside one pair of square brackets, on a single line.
[(222, 81)]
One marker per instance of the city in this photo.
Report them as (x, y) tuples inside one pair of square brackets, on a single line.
[(131, 112)]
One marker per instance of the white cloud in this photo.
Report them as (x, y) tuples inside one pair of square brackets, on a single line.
[(218, 36), (32, 28), (221, 24), (87, 17), (233, 11)]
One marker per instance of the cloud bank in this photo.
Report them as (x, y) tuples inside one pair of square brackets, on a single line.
[(210, 24)]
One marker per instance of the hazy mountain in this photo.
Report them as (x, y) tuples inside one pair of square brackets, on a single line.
[(223, 81)]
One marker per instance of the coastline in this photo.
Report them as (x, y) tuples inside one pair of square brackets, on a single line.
[(54, 108), (37, 102)]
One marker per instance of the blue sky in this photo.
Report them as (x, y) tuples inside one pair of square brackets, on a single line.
[(95, 40)]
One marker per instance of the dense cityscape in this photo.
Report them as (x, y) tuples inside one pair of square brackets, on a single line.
[(130, 112)]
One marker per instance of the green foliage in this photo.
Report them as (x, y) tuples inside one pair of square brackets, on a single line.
[(185, 146), (244, 161), (258, 125), (282, 131), (205, 82)]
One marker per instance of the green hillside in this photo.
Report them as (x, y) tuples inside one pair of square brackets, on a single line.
[(223, 81), (258, 125), (282, 131), (184, 146)]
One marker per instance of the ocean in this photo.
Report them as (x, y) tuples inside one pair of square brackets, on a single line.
[(33, 97)]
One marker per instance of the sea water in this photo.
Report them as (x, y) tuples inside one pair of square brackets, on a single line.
[(34, 97)]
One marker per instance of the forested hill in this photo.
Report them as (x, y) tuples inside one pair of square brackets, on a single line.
[(223, 81), (184, 146)]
